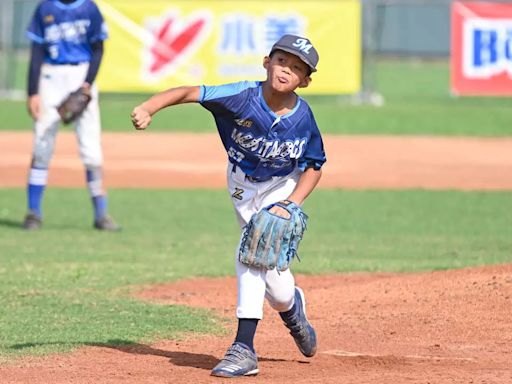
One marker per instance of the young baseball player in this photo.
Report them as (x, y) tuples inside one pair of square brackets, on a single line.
[(67, 47), (275, 153)]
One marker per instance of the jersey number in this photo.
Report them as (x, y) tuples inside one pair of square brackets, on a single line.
[(235, 155), (53, 50)]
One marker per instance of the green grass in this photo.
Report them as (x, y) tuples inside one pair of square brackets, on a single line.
[(68, 285), (417, 101)]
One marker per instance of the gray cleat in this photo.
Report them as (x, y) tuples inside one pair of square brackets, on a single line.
[(32, 222), (106, 223), (299, 326), (239, 360)]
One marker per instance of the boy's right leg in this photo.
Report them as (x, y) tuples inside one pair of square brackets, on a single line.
[(45, 131), (53, 88), (240, 358)]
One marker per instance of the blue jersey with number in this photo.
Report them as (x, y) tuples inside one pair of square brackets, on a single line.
[(67, 30), (257, 140)]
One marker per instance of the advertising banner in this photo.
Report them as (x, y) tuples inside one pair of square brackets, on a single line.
[(481, 48), (158, 44)]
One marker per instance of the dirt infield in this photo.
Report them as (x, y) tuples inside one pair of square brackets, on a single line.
[(159, 160), (440, 327), (437, 327)]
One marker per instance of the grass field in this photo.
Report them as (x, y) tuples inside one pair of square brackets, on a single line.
[(68, 285), (417, 101)]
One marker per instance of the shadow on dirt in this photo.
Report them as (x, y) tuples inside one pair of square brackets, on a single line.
[(179, 358), (184, 359)]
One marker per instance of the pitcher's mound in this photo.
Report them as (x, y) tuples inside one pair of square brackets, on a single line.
[(437, 327)]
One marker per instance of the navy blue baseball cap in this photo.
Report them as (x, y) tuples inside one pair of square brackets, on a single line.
[(300, 47)]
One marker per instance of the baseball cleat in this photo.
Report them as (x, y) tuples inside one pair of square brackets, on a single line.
[(32, 222), (106, 223), (299, 326), (239, 360)]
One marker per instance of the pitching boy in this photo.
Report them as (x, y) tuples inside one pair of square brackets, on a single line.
[(67, 47), (275, 153)]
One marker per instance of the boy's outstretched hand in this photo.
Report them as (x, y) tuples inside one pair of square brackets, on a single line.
[(140, 118)]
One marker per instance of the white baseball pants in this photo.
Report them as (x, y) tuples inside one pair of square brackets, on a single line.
[(255, 284), (56, 82)]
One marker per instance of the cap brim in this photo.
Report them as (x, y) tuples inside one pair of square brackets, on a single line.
[(299, 55)]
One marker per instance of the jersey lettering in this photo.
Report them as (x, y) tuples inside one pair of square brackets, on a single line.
[(269, 149), (71, 31)]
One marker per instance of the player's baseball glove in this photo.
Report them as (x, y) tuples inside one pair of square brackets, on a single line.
[(270, 241), (74, 105)]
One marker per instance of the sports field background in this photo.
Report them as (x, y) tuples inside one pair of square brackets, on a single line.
[(68, 285), (417, 101)]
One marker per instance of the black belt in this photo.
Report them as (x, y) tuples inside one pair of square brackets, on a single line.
[(80, 63), (250, 178), (257, 180)]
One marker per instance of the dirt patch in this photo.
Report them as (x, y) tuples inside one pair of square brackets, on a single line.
[(440, 327), (176, 160), (437, 327)]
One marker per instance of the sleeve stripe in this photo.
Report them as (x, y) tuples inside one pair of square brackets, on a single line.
[(216, 92), (35, 38), (101, 37), (201, 93)]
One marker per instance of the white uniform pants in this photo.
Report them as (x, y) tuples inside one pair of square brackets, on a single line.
[(56, 82), (255, 284)]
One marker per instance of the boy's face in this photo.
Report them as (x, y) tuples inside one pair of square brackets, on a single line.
[(286, 72)]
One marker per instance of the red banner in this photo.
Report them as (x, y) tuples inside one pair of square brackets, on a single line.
[(481, 48)]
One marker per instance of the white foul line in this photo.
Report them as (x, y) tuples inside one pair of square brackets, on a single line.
[(414, 357)]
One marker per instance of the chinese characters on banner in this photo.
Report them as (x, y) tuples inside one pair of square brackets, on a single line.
[(162, 44), (244, 35)]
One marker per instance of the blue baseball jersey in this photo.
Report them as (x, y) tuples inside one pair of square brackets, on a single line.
[(67, 30), (262, 143)]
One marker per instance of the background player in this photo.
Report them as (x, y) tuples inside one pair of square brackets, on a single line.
[(275, 152), (67, 47)]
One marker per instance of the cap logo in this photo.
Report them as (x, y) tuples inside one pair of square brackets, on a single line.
[(303, 45)]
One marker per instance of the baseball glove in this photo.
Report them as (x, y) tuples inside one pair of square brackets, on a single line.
[(74, 105), (270, 241)]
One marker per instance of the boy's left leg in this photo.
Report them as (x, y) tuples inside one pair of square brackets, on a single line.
[(102, 221), (281, 292), (88, 131), (300, 328), (289, 301)]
